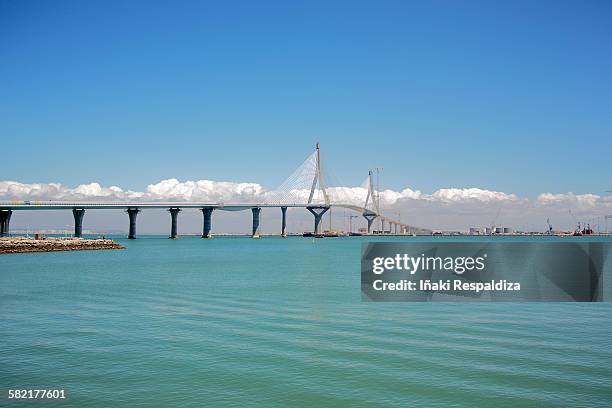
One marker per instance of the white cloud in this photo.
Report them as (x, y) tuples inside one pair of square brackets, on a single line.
[(13, 190), (170, 189), (204, 190), (471, 194), (580, 200)]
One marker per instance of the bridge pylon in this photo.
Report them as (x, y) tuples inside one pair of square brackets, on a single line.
[(318, 179), (318, 212), (370, 217), (5, 221), (372, 196), (370, 214)]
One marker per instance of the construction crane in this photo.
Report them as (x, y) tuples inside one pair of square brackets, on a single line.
[(594, 223), (350, 217), (378, 170), (581, 225), (399, 215), (608, 217), (550, 228), (576, 220), (495, 220)]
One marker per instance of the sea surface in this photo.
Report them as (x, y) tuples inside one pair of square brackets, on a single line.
[(279, 323)]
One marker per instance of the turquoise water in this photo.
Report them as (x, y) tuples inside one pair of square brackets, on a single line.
[(279, 322)]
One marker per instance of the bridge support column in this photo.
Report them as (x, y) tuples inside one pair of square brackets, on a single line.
[(5, 221), (174, 222), (78, 214), (256, 213), (318, 214), (370, 219), (207, 213), (284, 222), (132, 213)]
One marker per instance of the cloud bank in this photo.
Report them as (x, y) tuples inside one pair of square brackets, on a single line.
[(165, 190), (446, 208)]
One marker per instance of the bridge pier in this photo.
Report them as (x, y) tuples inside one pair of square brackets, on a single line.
[(5, 221), (317, 217), (284, 222), (174, 222), (370, 217), (256, 213), (78, 214), (207, 213), (132, 213)]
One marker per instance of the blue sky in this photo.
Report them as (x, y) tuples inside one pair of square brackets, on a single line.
[(511, 96)]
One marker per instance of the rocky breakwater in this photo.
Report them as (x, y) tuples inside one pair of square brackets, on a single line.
[(13, 245)]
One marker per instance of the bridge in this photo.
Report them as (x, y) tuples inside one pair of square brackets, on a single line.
[(291, 194)]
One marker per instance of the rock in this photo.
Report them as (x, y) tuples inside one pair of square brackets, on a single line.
[(22, 244)]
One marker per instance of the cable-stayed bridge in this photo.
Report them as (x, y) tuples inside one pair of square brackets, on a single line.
[(305, 188)]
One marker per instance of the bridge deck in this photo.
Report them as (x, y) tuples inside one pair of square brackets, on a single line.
[(102, 205), (124, 205)]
